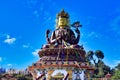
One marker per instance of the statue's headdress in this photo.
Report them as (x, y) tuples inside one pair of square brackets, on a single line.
[(63, 14)]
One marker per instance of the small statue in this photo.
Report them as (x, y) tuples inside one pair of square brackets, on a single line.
[(63, 34)]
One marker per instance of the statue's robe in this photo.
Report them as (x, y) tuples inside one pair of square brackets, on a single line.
[(66, 35)]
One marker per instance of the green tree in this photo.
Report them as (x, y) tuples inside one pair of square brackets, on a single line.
[(99, 64), (106, 69), (112, 71), (89, 56), (99, 54), (116, 76), (118, 67)]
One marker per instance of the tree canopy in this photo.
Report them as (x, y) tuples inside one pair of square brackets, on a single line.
[(99, 54)]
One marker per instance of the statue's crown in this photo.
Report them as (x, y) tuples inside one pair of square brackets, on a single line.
[(63, 14)]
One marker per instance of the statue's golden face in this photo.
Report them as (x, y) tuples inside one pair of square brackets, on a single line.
[(62, 22)]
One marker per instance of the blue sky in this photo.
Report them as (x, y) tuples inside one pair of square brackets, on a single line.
[(23, 24)]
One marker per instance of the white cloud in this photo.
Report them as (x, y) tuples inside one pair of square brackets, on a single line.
[(115, 63), (90, 35), (0, 59), (36, 13), (35, 53), (8, 36), (9, 40), (93, 34), (9, 65), (25, 46)]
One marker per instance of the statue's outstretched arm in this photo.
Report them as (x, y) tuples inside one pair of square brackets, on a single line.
[(47, 37), (78, 36)]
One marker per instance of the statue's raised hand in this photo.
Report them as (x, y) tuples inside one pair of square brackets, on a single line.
[(48, 31)]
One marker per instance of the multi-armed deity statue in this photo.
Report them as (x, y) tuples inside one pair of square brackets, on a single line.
[(62, 58), (63, 34)]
